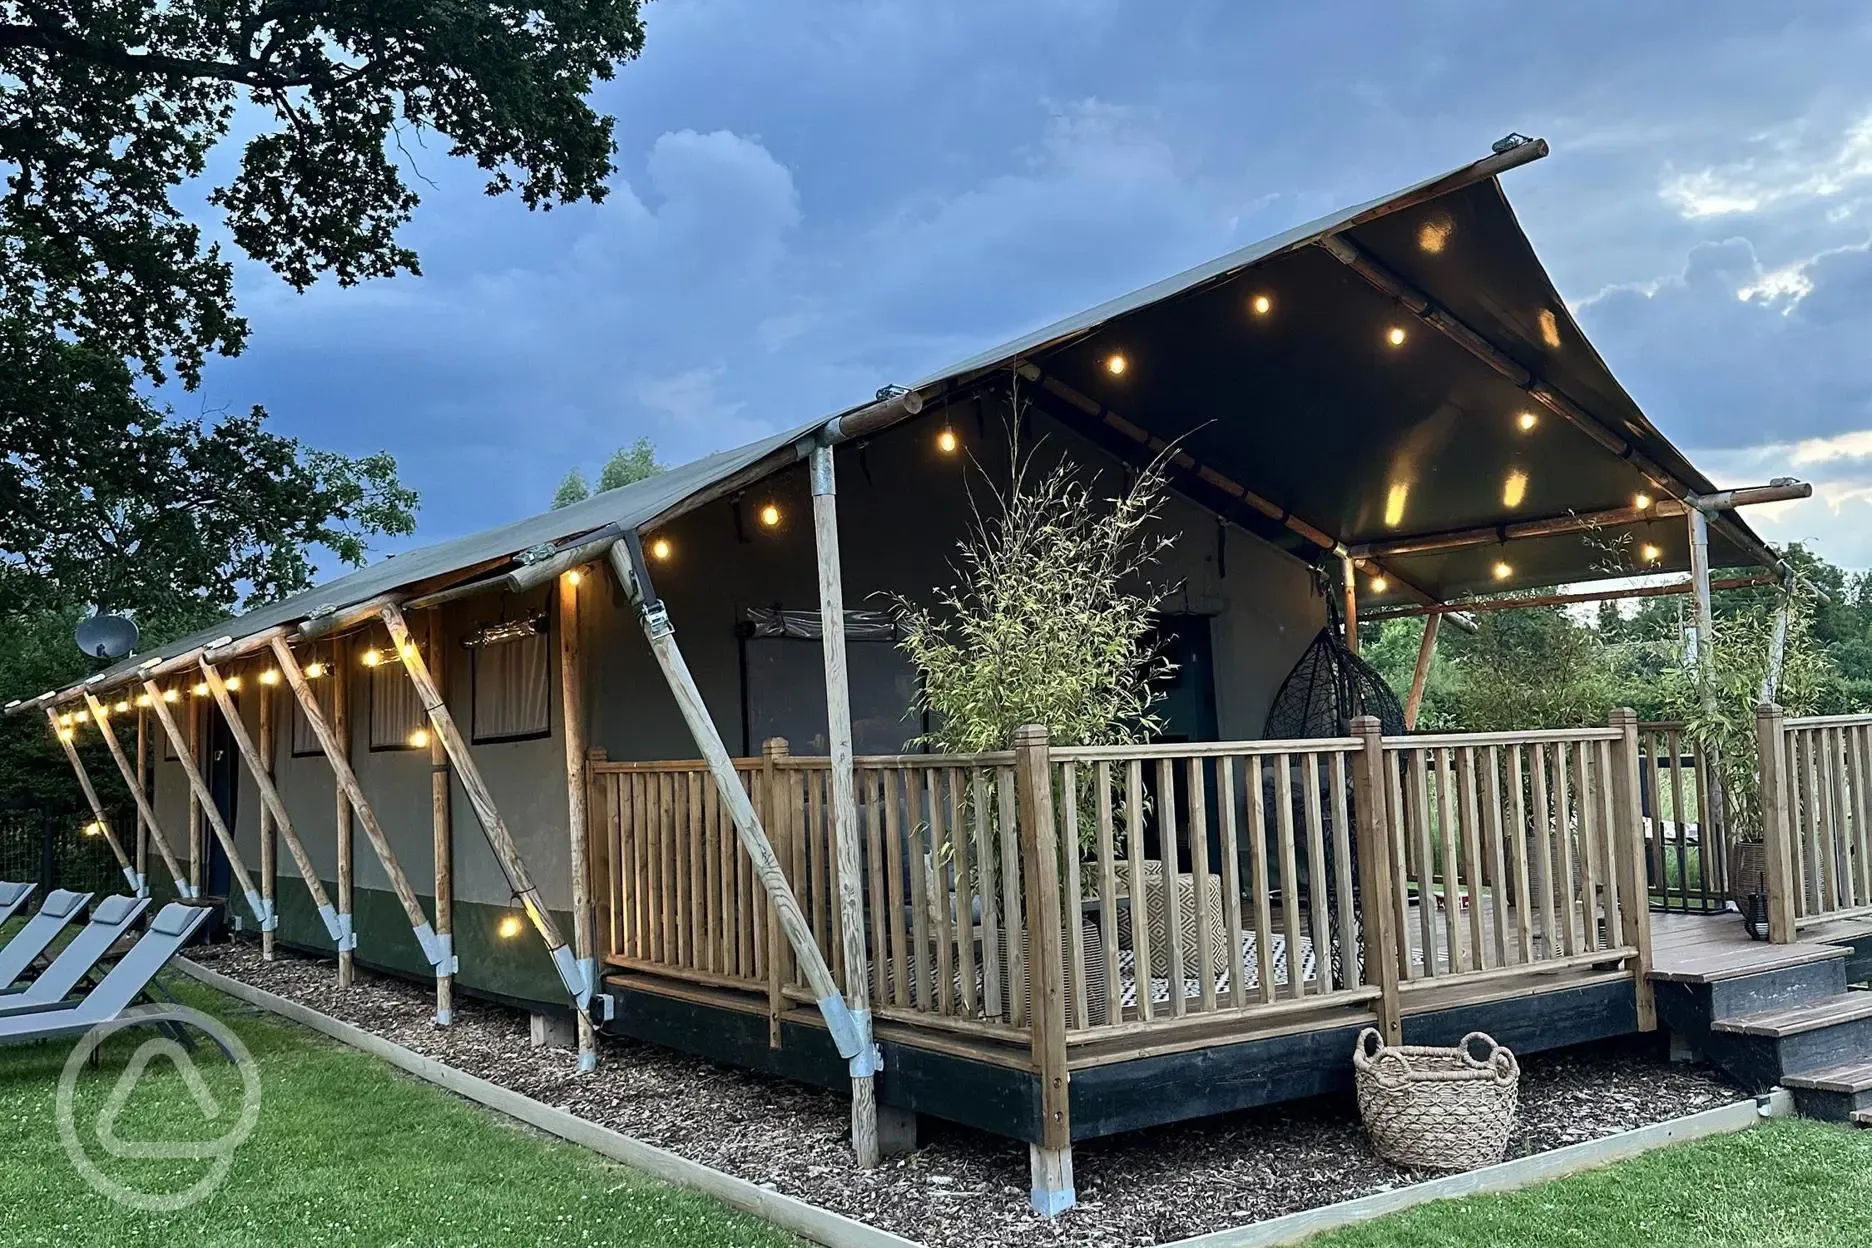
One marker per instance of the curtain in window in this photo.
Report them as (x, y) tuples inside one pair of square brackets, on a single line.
[(511, 689), (395, 712), (304, 740)]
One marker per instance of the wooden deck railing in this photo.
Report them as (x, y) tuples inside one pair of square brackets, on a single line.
[(1686, 859), (1192, 885), (1817, 809)]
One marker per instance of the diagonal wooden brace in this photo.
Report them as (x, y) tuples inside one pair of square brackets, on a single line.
[(97, 808), (129, 774), (263, 914)]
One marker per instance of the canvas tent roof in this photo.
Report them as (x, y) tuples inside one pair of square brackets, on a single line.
[(1305, 406)]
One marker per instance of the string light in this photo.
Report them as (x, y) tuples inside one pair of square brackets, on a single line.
[(121, 706), (1379, 584), (1503, 571), (1514, 489), (574, 577), (661, 550), (82, 716), (93, 828), (1261, 305), (510, 927), (65, 720), (172, 695), (1526, 421), (143, 699), (947, 442), (1395, 336), (407, 650), (314, 670), (1651, 553), (419, 738), (372, 657), (65, 734), (201, 689), (1116, 365), (769, 516), (103, 712), (270, 676), (1641, 501), (233, 684)]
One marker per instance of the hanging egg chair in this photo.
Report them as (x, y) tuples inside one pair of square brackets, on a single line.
[(1330, 687)]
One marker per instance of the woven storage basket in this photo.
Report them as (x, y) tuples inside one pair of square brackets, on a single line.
[(1430, 1108), (1159, 929)]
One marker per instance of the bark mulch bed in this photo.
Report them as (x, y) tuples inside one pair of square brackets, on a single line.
[(962, 1187)]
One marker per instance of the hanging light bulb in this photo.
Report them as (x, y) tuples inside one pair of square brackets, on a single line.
[(1526, 421), (1379, 584), (201, 689), (65, 720), (94, 828), (769, 516), (233, 684), (82, 716), (947, 442), (314, 670), (574, 577), (510, 926), (1650, 553), (1261, 305), (661, 550), (419, 738), (1641, 501), (65, 734), (1395, 335), (1503, 571), (270, 676), (143, 699), (407, 650), (372, 657), (1116, 365), (103, 712), (122, 706), (172, 695)]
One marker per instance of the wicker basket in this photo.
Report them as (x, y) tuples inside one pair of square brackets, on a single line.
[(1437, 1109)]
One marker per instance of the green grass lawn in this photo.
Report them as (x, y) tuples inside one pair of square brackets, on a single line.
[(1789, 1184), (345, 1151)]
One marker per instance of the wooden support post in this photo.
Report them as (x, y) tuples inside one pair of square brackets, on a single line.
[(482, 800), (442, 832), (269, 846), (145, 815), (844, 795), (1377, 917), (1350, 589), (572, 729), (1699, 640), (1777, 835), (753, 837), (1050, 1159), (139, 788), (779, 963), (343, 841), (190, 747), (273, 809), (205, 804), (1777, 648), (65, 736), (1629, 845), (354, 795), (1420, 678)]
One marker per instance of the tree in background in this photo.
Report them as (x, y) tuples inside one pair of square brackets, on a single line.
[(627, 465)]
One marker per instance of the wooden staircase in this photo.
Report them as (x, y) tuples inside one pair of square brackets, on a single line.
[(1783, 1016)]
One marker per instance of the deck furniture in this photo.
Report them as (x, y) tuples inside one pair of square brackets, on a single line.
[(18, 955), (12, 897), (110, 922), (130, 981)]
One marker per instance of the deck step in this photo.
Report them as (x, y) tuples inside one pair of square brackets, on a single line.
[(1846, 1007), (1851, 1078)]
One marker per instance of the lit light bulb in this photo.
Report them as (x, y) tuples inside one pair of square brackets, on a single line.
[(93, 828), (1514, 489), (419, 738), (65, 734), (407, 650), (314, 670), (661, 550), (1395, 335), (82, 716), (121, 707), (510, 927), (1379, 584), (1261, 305), (372, 657), (201, 689), (143, 699), (1526, 421), (769, 515), (1651, 553), (947, 442), (1641, 501), (171, 695), (1116, 365), (103, 712), (574, 577), (270, 676), (65, 720), (233, 684), (1503, 571)]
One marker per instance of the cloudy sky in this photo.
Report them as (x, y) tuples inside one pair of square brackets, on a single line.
[(815, 199)]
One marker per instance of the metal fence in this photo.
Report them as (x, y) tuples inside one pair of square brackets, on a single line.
[(52, 849)]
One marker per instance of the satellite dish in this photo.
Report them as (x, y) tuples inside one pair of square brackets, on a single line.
[(106, 636)]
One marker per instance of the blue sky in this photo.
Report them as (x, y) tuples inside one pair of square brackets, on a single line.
[(815, 199)]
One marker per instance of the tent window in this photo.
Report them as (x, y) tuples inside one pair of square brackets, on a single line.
[(305, 742), (512, 699), (395, 712)]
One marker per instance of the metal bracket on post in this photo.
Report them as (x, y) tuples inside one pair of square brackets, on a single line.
[(333, 927), (572, 975), (347, 935), (445, 945)]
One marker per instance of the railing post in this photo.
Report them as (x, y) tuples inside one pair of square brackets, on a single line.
[(1771, 750), (1051, 1158), (779, 828), (1377, 920), (1629, 845)]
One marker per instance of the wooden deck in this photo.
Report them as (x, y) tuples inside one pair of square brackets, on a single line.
[(1706, 948)]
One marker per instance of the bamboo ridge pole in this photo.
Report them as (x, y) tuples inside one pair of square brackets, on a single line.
[(354, 795), (144, 813), (1512, 603), (205, 802), (572, 713), (482, 800), (91, 797), (627, 563), (270, 798), (844, 802), (1420, 677)]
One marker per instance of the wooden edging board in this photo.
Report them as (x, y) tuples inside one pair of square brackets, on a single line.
[(1507, 1176), (818, 1225), (836, 1231)]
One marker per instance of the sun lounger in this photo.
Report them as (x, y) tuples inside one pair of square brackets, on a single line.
[(131, 979), (12, 897), (17, 955), (110, 922)]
